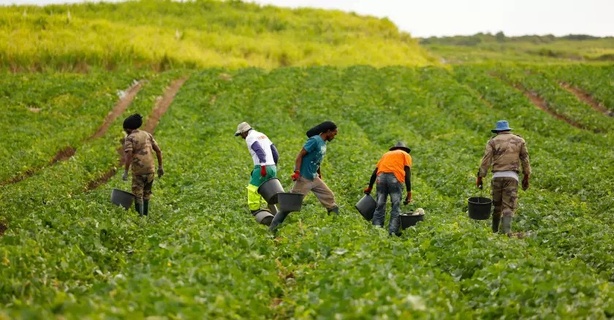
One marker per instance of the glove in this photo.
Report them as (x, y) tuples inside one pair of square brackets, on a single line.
[(407, 198), (263, 171), (160, 172), (125, 175), (525, 182), (478, 183), (367, 190), (296, 175)]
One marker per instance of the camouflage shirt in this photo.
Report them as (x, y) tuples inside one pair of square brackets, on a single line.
[(505, 152), (141, 143)]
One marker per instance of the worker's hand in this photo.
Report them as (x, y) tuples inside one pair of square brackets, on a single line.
[(525, 182), (478, 183), (367, 190), (160, 172), (263, 171), (296, 175), (125, 175), (407, 198)]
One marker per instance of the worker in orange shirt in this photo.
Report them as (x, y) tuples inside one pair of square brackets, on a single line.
[(392, 170)]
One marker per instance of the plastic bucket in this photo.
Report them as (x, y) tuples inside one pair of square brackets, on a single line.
[(410, 219), (269, 190), (289, 202), (264, 217), (479, 208), (122, 198), (366, 206)]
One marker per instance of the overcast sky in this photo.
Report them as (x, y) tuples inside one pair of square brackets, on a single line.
[(426, 18)]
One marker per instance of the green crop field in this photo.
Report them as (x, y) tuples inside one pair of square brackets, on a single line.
[(66, 252)]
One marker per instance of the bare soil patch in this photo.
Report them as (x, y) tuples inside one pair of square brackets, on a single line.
[(119, 108), (63, 154), (162, 104), (543, 105), (587, 98)]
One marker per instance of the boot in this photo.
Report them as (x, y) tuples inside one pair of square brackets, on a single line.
[(495, 223), (277, 220), (138, 206), (506, 225), (335, 210), (145, 207)]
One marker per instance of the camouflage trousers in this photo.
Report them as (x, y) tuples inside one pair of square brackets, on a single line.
[(141, 186), (504, 196)]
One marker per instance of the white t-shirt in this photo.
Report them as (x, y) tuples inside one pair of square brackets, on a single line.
[(263, 141)]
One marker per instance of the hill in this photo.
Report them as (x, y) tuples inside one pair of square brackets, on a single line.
[(205, 33), (531, 48)]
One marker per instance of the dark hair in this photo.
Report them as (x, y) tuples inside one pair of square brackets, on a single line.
[(322, 127), (133, 122)]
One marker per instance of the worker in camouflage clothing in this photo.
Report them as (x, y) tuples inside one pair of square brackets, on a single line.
[(507, 155), (139, 147)]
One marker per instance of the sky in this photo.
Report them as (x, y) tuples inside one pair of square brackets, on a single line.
[(426, 18)]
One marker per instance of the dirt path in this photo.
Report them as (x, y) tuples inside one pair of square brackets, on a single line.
[(119, 108), (67, 152), (586, 98), (543, 105), (162, 105), (151, 123)]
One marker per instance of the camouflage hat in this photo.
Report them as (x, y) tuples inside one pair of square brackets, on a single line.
[(242, 127)]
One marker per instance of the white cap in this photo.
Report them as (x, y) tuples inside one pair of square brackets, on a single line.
[(242, 127)]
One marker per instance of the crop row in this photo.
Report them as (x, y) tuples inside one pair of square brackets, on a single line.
[(200, 253)]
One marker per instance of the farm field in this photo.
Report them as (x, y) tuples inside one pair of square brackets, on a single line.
[(67, 252)]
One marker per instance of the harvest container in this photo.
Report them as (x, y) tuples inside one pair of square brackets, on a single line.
[(289, 202), (269, 190), (122, 198), (410, 219), (479, 208), (366, 206), (264, 217)]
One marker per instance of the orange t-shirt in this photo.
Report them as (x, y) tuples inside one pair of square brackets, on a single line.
[(394, 162)]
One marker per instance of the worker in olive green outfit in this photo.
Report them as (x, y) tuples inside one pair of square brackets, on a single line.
[(507, 155), (264, 156), (138, 149)]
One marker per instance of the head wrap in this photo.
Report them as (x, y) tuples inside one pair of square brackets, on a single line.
[(133, 122)]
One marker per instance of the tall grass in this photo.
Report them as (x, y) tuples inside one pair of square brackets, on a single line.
[(162, 35)]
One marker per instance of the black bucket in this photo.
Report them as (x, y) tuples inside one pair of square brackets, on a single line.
[(410, 219), (366, 206), (122, 198), (289, 202), (263, 217), (269, 190), (479, 208)]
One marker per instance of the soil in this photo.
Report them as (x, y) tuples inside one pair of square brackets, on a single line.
[(63, 154), (162, 105), (542, 104), (586, 98), (119, 108)]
